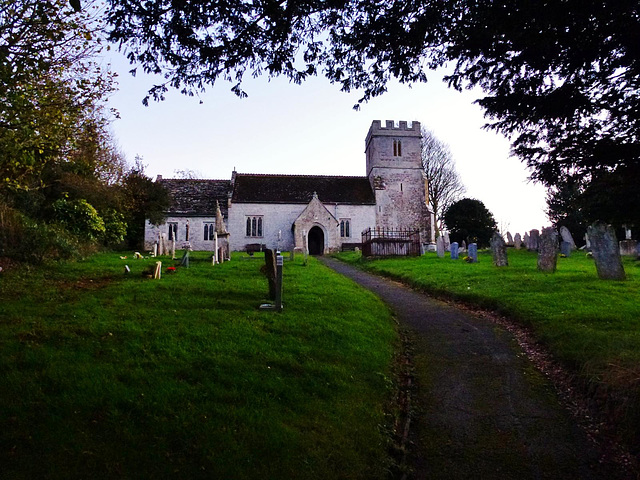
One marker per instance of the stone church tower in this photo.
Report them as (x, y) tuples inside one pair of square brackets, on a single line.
[(394, 169)]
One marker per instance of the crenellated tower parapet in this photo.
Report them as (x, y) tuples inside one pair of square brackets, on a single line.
[(394, 168)]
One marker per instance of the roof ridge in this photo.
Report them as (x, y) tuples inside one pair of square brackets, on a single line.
[(298, 175)]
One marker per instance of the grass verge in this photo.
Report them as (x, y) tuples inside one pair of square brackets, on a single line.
[(110, 375), (590, 325)]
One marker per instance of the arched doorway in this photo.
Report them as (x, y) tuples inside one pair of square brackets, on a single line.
[(316, 241)]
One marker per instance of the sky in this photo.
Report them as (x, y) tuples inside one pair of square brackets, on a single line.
[(312, 129)]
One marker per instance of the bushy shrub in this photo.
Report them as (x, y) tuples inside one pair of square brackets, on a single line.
[(79, 217), (115, 227)]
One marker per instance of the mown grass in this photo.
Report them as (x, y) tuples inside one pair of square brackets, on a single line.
[(591, 325), (109, 375)]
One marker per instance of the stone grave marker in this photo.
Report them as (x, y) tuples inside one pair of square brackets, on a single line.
[(534, 239), (628, 247), (473, 253), (525, 240), (567, 237), (565, 249), (509, 239), (454, 251), (440, 247), (463, 247), (606, 253), (517, 241), (499, 250), (447, 241), (548, 250)]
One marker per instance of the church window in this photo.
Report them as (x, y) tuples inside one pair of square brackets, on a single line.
[(345, 227), (209, 230), (254, 226), (173, 230), (397, 148)]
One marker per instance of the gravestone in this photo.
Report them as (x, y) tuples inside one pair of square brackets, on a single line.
[(606, 253), (440, 247), (628, 247), (499, 250), (534, 239), (548, 250), (567, 237), (525, 240), (509, 239), (587, 242), (454, 251), (517, 241), (473, 253), (463, 246), (269, 271), (565, 249), (447, 242)]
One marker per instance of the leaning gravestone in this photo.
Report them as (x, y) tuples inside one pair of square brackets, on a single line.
[(473, 253), (548, 250), (525, 240), (509, 239), (440, 247), (454, 251), (567, 237), (463, 246), (534, 238), (499, 250), (269, 271), (517, 241), (447, 241), (604, 247)]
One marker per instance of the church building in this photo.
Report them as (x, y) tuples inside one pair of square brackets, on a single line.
[(322, 213)]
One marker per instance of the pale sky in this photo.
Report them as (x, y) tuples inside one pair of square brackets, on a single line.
[(312, 129)]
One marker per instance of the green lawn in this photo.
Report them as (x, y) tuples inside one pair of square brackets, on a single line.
[(107, 375), (591, 325)]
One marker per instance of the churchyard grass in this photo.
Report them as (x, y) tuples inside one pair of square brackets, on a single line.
[(591, 325), (108, 375)]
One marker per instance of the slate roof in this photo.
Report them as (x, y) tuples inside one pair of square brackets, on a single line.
[(197, 197), (253, 188)]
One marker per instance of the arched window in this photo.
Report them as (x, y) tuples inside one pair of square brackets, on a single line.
[(248, 233), (399, 148), (345, 228)]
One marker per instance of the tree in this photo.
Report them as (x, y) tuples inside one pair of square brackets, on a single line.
[(469, 220), (145, 200), (50, 86), (444, 183), (562, 79)]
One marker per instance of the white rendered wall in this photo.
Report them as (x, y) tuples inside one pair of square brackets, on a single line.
[(196, 232), (280, 218)]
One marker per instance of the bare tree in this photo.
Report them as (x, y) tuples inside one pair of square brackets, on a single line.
[(444, 183)]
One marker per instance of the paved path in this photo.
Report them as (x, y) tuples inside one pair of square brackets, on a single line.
[(481, 410)]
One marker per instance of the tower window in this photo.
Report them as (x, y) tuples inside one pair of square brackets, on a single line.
[(397, 148)]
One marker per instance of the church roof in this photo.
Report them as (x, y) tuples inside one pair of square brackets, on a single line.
[(253, 188), (190, 197)]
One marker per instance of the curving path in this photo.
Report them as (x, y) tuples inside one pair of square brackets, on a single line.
[(481, 411)]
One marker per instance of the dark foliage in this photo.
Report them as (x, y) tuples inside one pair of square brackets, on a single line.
[(562, 78), (469, 220)]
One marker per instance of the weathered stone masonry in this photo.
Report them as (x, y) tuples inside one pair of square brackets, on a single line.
[(280, 211)]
